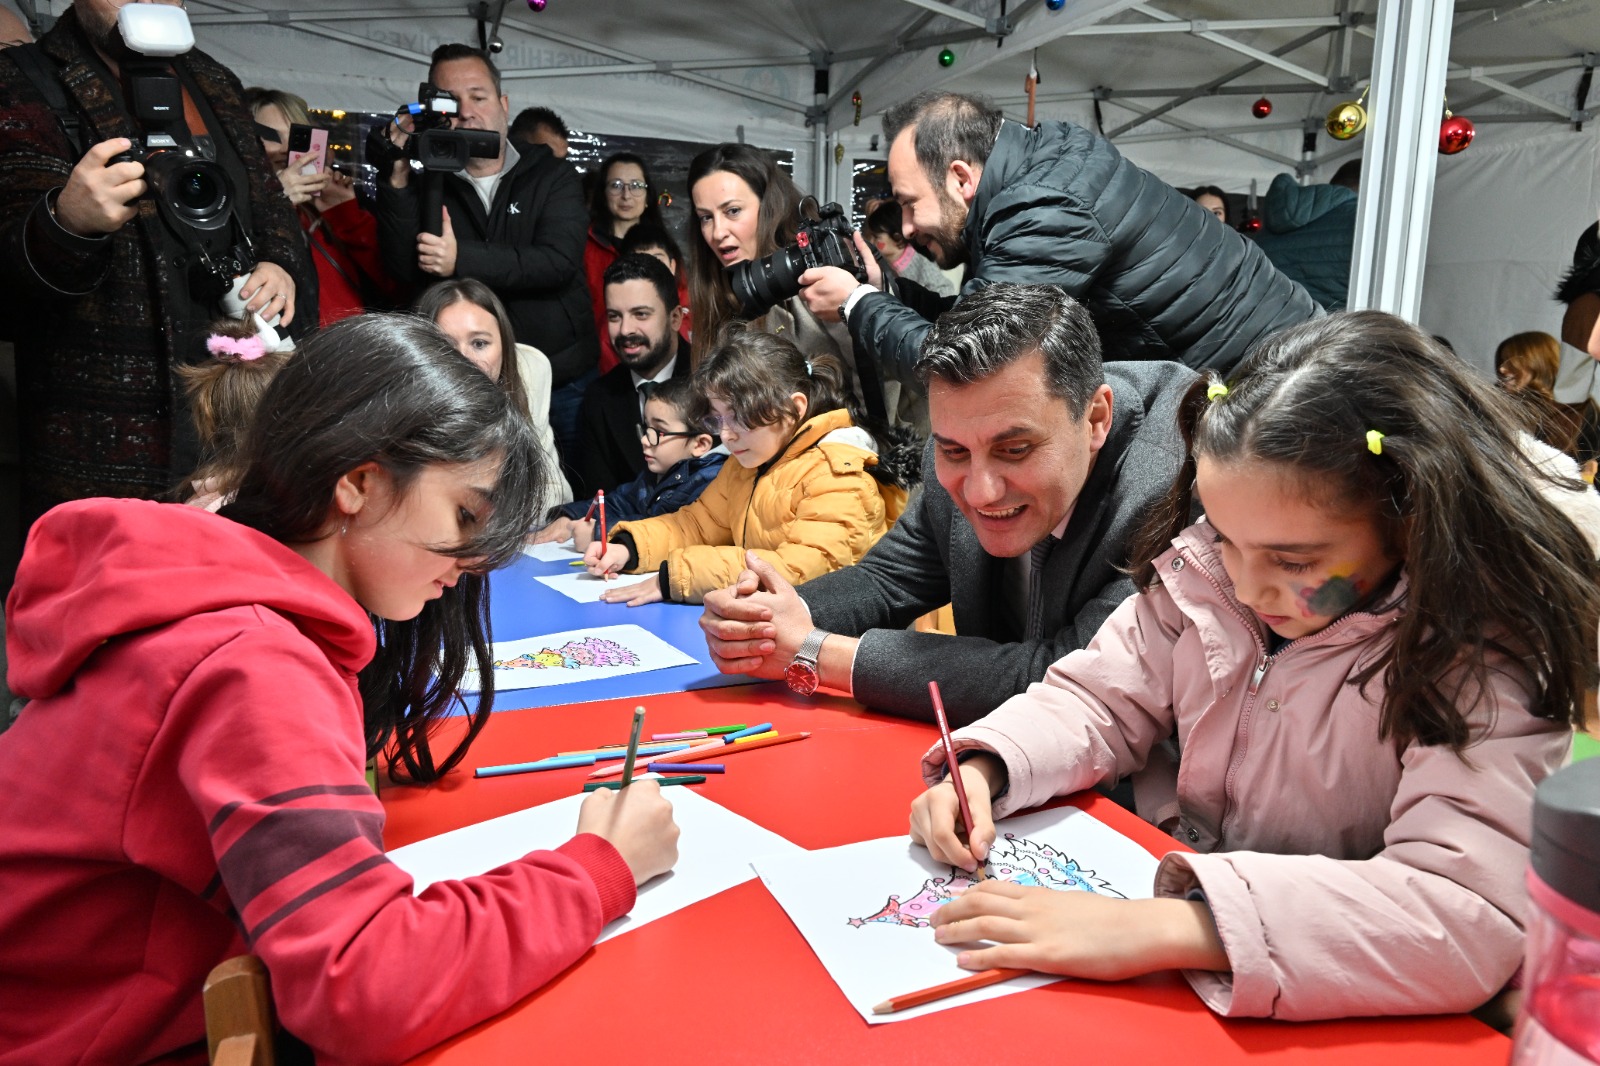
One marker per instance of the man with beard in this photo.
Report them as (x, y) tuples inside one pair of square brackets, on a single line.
[(643, 316), (96, 292), (1057, 205)]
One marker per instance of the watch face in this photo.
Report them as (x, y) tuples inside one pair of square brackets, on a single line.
[(802, 677)]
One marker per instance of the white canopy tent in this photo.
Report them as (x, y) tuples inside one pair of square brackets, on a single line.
[(1171, 80)]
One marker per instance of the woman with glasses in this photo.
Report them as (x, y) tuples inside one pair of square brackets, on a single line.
[(623, 197)]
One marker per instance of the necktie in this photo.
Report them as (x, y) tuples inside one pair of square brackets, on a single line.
[(646, 390), (1038, 556)]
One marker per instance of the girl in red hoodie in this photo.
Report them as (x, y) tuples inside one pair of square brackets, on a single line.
[(187, 782)]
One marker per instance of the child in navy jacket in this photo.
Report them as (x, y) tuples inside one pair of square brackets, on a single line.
[(680, 461)]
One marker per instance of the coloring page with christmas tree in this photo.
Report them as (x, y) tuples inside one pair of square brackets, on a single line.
[(864, 908), (577, 655)]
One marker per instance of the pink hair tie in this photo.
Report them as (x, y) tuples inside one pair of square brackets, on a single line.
[(243, 349)]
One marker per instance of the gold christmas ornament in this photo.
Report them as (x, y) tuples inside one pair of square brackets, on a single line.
[(1347, 119), (838, 154)]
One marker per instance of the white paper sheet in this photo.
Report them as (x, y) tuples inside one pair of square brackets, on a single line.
[(864, 907), (578, 655), (584, 587), (714, 849), (552, 552)]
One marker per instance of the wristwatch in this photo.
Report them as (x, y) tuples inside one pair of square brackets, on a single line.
[(801, 674)]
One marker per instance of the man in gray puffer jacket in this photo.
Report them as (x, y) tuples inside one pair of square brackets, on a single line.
[(1058, 205)]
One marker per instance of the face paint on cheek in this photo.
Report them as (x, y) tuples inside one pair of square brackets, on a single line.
[(1333, 597)]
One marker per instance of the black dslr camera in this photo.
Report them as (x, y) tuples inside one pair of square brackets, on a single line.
[(192, 192), (823, 239)]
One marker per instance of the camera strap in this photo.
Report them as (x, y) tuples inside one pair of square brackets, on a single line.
[(46, 80)]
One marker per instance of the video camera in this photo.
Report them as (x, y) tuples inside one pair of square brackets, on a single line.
[(823, 239), (192, 192), (432, 144)]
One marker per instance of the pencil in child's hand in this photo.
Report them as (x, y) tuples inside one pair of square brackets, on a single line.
[(633, 742), (982, 979), (600, 498), (954, 764)]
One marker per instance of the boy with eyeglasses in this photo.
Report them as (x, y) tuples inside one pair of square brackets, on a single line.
[(680, 461)]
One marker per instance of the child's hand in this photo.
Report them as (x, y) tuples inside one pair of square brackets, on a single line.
[(637, 821), (636, 595), (605, 560), (556, 532), (936, 814), (1080, 934), (583, 534)]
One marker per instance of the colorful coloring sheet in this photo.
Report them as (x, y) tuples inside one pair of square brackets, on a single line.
[(577, 655), (584, 587), (714, 849), (864, 907), (552, 553)]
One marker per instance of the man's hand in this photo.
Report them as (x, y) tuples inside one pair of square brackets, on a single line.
[(99, 197), (1080, 934), (437, 255), (825, 289), (269, 291), (756, 626), (301, 188), (637, 594)]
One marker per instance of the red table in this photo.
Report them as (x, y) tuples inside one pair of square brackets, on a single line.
[(730, 979)]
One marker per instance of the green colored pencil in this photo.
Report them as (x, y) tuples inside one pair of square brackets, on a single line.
[(683, 779)]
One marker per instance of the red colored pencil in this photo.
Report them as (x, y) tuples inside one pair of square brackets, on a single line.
[(600, 498), (694, 754), (955, 766), (982, 979)]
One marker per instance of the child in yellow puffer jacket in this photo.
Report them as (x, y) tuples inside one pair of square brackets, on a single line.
[(810, 489)]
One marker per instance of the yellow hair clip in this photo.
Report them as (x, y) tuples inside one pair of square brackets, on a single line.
[(1216, 391), (1374, 442)]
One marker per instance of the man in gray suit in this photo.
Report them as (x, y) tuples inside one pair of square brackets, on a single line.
[(1042, 465)]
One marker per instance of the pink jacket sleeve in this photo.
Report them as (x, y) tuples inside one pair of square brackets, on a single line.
[(273, 759), (1095, 717), (1431, 924)]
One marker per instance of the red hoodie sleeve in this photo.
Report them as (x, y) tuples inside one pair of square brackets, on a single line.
[(272, 756)]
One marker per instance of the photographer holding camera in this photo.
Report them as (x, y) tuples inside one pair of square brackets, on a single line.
[(119, 234), (754, 247), (514, 219)]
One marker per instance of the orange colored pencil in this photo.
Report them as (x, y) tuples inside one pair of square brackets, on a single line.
[(695, 754), (981, 979)]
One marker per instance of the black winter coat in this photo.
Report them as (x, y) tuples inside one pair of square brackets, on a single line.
[(1162, 277), (529, 250)]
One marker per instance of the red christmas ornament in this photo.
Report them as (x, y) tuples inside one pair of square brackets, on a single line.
[(1455, 133), (1261, 108)]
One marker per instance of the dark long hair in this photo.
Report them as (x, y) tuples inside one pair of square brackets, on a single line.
[(756, 374), (1493, 564), (392, 389), (600, 210), (711, 299), (442, 294)]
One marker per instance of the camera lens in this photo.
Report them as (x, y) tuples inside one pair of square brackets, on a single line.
[(762, 283), (196, 192)]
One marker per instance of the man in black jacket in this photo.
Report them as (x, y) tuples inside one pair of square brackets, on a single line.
[(516, 222), (1042, 465), (1058, 205)]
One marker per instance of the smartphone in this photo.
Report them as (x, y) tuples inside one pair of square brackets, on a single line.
[(308, 149)]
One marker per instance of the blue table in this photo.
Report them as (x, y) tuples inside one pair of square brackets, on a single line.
[(521, 607)]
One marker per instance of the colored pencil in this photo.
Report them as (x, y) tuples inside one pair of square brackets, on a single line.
[(558, 763), (716, 750), (982, 979), (600, 497), (755, 736), (577, 562), (590, 786), (955, 766), (688, 734), (747, 732), (686, 768), (616, 751), (719, 730), (638, 722)]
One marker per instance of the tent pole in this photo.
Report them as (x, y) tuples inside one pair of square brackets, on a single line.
[(1411, 53)]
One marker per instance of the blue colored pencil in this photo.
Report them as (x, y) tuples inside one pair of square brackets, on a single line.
[(644, 749), (764, 727), (559, 763)]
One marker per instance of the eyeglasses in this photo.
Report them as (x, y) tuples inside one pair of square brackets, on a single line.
[(619, 186), (718, 424), (653, 436)]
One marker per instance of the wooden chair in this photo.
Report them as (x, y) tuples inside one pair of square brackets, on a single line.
[(239, 1021)]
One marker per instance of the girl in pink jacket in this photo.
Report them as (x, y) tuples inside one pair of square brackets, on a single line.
[(1368, 653)]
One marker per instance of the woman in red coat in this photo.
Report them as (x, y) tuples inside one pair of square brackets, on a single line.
[(624, 195)]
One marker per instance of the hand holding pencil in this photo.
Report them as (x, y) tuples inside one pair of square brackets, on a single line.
[(637, 821), (605, 560), (936, 821)]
